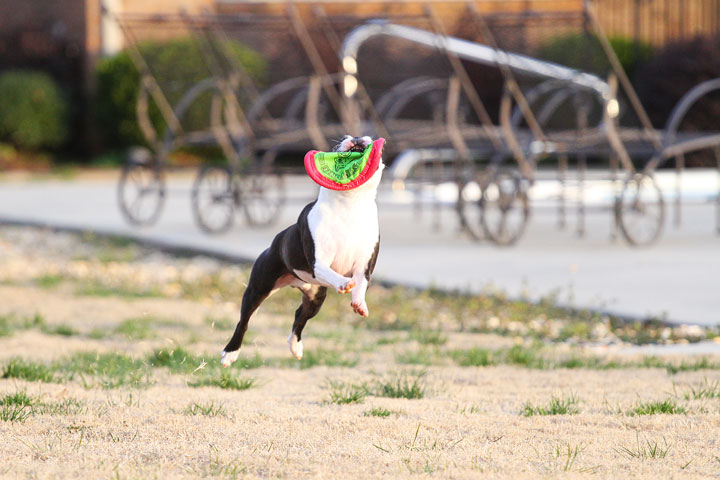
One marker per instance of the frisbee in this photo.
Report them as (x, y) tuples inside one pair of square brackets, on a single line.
[(344, 170)]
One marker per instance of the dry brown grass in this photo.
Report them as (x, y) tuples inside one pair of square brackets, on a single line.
[(468, 422)]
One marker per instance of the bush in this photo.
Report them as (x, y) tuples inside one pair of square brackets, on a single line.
[(677, 68), (579, 51), (33, 111), (177, 65)]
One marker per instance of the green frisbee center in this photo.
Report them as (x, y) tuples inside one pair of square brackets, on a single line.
[(342, 167)]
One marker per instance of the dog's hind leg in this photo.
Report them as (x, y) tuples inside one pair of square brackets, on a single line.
[(266, 273), (313, 298)]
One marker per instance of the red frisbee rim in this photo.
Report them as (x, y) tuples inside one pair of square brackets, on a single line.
[(370, 168)]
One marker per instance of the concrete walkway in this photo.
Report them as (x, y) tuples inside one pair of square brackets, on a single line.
[(677, 279)]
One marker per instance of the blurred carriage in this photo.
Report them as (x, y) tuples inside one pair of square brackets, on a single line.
[(477, 149)]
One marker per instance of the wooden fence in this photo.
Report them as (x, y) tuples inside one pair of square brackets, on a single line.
[(659, 21)]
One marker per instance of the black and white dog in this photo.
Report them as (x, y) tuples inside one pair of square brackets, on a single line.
[(334, 243)]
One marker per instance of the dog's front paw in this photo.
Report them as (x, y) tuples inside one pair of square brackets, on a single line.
[(360, 308), (227, 358), (349, 285), (296, 346)]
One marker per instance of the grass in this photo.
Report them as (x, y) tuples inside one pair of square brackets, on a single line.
[(378, 412), (659, 407), (408, 385), (706, 390), (320, 356), (48, 281), (428, 337), (225, 380), (208, 409), (99, 289), (473, 357), (62, 330), (18, 406), (135, 328), (177, 360), (647, 449), (557, 406), (29, 370), (106, 370), (423, 356), (220, 323), (342, 393)]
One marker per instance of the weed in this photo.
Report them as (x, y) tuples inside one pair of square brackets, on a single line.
[(658, 407), (209, 409), (645, 449), (218, 468), (342, 393), (14, 413), (557, 406), (224, 380), (28, 370), (401, 385)]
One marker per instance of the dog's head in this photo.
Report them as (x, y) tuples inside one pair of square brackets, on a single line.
[(359, 144)]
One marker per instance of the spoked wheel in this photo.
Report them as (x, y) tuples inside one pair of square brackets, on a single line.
[(504, 208), (469, 208), (141, 193), (214, 199), (263, 196), (640, 210)]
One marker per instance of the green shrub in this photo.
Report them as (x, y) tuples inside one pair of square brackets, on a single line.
[(178, 65), (33, 110), (577, 50)]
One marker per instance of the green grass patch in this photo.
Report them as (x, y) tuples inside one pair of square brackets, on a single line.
[(98, 289), (378, 412), (220, 323), (410, 385), (18, 406), (422, 356), (557, 406), (428, 337), (134, 328), (177, 360), (29, 370), (207, 409), (473, 357), (343, 393), (320, 357), (106, 370), (224, 379), (659, 407), (61, 329), (48, 281)]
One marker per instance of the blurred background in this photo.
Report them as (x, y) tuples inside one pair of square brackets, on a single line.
[(567, 149)]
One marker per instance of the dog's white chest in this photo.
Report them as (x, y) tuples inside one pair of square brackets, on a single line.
[(345, 231)]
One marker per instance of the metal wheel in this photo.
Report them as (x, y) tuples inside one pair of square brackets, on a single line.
[(469, 208), (263, 196), (141, 193), (640, 210), (214, 199), (504, 208)]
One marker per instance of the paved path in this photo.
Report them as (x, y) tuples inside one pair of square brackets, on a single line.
[(676, 279)]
